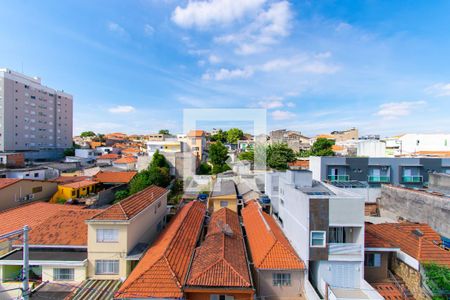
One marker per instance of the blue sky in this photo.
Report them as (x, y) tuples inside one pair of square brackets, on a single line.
[(317, 66)]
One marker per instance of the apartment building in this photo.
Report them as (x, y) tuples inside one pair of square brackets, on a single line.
[(33, 117), (364, 175), (118, 236), (294, 139), (325, 225)]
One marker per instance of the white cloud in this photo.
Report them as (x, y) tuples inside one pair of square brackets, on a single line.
[(205, 13), (280, 115), (224, 74), (270, 104), (149, 30), (301, 64), (290, 104), (343, 26), (214, 59), (116, 28), (267, 29), (394, 110), (121, 109), (439, 89)]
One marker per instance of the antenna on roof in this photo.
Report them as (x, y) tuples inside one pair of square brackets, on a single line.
[(225, 228)]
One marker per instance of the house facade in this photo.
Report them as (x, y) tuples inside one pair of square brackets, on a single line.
[(118, 236)]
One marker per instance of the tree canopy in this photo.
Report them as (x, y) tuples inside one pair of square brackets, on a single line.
[(279, 155), (233, 135), (87, 134), (321, 147), (248, 155), (220, 136), (218, 155), (164, 131)]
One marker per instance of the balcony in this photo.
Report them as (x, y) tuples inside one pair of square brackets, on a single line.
[(412, 179), (339, 178), (378, 179), (344, 249)]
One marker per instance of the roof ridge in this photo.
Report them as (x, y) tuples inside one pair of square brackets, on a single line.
[(267, 253), (123, 210), (172, 271), (235, 271)]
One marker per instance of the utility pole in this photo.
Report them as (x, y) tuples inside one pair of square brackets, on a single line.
[(26, 267)]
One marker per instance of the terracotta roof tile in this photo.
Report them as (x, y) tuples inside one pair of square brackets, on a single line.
[(114, 177), (131, 206), (79, 184), (66, 227), (109, 156), (424, 248), (388, 290), (4, 182), (126, 160), (221, 261), (69, 179), (31, 214), (162, 271), (373, 241), (196, 133), (269, 248)]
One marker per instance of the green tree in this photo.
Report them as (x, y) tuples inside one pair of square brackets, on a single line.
[(139, 182), (279, 155), (218, 155), (69, 152), (233, 135), (158, 160), (220, 136), (159, 176), (204, 169), (322, 147), (164, 131), (87, 134), (248, 155), (120, 195)]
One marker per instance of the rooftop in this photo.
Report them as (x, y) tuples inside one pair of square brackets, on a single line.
[(69, 179), (196, 133), (221, 260), (269, 248), (114, 177), (66, 227), (31, 214), (162, 271), (223, 187), (126, 160), (4, 182), (96, 289), (109, 156), (131, 206), (419, 241), (79, 184), (48, 255)]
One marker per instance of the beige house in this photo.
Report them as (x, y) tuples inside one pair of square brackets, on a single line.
[(223, 195), (15, 191), (196, 141), (119, 236)]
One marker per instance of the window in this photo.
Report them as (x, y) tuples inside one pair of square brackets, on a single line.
[(36, 175), (281, 279), (36, 189), (63, 274), (107, 235), (372, 260), (223, 203), (317, 239), (106, 267)]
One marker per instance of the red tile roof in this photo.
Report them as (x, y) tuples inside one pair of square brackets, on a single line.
[(161, 272), (424, 248), (220, 261), (131, 206), (4, 182), (69, 179), (114, 177), (31, 214), (269, 248), (109, 156), (196, 133), (373, 241), (304, 164), (388, 290), (125, 160), (79, 184), (66, 227)]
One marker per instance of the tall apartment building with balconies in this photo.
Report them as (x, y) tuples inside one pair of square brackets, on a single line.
[(33, 117)]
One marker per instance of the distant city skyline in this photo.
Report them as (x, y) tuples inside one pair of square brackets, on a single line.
[(133, 67)]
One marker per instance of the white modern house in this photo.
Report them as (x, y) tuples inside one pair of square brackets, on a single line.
[(325, 225)]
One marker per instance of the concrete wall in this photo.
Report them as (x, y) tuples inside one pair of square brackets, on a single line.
[(439, 181), (13, 195), (416, 206), (337, 273)]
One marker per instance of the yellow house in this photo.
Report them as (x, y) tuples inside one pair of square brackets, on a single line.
[(196, 140), (119, 236), (74, 190), (223, 195)]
